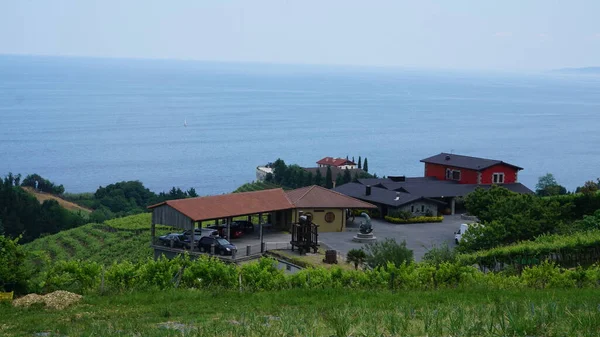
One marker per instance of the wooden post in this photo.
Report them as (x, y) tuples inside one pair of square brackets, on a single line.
[(261, 232), (192, 237), (228, 228), (153, 231)]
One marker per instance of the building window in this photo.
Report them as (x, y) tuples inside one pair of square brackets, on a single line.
[(452, 174), (455, 174), (412, 208), (422, 208), (498, 178), (329, 217)]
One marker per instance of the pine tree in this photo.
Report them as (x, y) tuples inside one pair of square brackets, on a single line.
[(318, 178), (366, 165), (359, 164), (328, 178), (347, 176)]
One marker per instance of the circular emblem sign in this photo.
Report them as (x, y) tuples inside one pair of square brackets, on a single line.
[(329, 217)]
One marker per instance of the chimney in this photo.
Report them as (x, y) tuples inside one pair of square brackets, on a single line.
[(447, 157), (397, 196), (368, 190)]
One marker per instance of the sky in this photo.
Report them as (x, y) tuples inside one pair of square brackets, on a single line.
[(449, 34)]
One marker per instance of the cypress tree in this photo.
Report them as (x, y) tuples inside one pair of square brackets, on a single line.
[(328, 178), (353, 159), (359, 165), (339, 179), (318, 178), (366, 165), (355, 179), (347, 176), (309, 179), (1, 228)]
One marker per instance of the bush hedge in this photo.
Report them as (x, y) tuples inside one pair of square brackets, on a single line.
[(211, 273), (567, 250), (417, 219)]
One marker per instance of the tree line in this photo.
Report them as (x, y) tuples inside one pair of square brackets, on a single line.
[(21, 214), (294, 176)]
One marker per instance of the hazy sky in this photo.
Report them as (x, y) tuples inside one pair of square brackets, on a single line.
[(453, 34)]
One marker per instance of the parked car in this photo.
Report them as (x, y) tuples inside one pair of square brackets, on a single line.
[(200, 232), (222, 246), (461, 231), (175, 240), (245, 226), (237, 229), (222, 230)]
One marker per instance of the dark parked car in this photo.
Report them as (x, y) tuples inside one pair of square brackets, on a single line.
[(222, 246), (175, 240), (237, 229), (245, 226)]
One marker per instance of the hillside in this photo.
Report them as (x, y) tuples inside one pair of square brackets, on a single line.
[(42, 196), (119, 239)]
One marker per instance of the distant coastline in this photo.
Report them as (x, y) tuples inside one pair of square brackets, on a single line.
[(584, 70)]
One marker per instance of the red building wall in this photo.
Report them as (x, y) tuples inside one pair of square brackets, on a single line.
[(510, 174), (470, 176), (439, 171)]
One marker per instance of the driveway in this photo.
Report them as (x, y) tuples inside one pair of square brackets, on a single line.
[(419, 237)]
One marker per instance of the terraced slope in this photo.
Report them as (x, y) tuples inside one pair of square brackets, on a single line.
[(121, 239)]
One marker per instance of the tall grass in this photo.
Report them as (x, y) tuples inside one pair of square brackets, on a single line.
[(317, 313)]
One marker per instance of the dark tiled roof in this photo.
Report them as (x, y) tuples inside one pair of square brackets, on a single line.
[(472, 163), (317, 196), (379, 195), (433, 188)]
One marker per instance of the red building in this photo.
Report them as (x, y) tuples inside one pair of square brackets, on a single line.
[(340, 163), (470, 170)]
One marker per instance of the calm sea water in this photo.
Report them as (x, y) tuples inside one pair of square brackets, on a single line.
[(91, 122)]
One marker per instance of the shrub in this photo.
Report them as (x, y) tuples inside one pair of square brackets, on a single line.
[(356, 256), (401, 215), (437, 255), (417, 219), (13, 272), (373, 213), (263, 275), (206, 272), (121, 276), (379, 254), (76, 276)]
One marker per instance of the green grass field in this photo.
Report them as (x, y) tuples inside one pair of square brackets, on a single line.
[(316, 313), (121, 239)]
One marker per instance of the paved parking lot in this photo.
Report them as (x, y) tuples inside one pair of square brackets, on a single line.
[(419, 237)]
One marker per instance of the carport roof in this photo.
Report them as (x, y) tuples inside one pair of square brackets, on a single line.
[(319, 197), (230, 205)]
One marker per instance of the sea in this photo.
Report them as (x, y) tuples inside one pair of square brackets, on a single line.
[(90, 122)]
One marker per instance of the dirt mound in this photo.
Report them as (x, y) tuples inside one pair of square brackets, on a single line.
[(59, 299), (42, 196)]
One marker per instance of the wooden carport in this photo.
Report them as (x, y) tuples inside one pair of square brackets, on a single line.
[(189, 214)]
